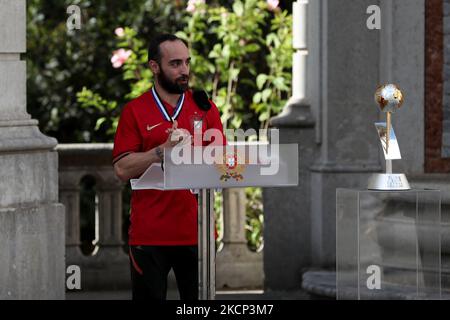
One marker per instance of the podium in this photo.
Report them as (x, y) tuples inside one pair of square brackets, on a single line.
[(205, 169), (388, 244)]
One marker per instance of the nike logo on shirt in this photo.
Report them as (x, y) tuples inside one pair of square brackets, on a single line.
[(149, 128)]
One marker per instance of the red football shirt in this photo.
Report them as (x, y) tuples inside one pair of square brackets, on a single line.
[(160, 217)]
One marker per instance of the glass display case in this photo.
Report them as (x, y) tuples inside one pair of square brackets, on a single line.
[(388, 244)]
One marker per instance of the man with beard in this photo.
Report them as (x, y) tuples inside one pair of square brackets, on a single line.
[(163, 228)]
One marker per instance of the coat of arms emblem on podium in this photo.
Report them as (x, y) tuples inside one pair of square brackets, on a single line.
[(230, 168)]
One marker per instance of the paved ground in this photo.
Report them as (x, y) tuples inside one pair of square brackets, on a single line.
[(173, 295), (323, 284)]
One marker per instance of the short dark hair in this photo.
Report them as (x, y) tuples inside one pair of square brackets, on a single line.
[(154, 51)]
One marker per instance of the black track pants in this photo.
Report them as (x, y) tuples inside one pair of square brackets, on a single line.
[(150, 266)]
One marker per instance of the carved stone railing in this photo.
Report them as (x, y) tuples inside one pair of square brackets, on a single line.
[(236, 265), (108, 266)]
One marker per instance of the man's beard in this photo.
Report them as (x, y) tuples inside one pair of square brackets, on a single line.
[(172, 86)]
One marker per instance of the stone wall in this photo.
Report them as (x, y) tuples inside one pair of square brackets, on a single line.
[(446, 105), (437, 83)]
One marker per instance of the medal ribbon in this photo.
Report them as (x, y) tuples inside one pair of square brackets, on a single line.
[(163, 109)]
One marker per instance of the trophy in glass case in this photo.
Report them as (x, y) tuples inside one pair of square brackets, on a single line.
[(389, 98)]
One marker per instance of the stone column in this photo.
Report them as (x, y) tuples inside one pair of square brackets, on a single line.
[(402, 61), (70, 196), (237, 266), (287, 221), (353, 61), (348, 151), (110, 216), (31, 219)]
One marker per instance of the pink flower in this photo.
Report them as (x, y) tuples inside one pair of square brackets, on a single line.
[(119, 32), (273, 4), (191, 7), (119, 57)]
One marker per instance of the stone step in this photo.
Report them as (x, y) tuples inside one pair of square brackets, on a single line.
[(323, 284)]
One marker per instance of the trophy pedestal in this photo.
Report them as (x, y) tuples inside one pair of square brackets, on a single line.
[(388, 244), (388, 181)]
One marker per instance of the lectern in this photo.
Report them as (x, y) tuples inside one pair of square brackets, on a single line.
[(205, 169)]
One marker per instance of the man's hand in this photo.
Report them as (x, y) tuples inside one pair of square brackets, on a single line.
[(176, 137), (171, 142), (136, 163)]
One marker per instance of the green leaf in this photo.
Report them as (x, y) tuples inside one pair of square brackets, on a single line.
[(226, 51), (220, 101), (99, 122), (257, 97), (260, 107), (250, 4), (249, 83), (279, 84), (238, 8), (264, 116), (213, 54), (211, 68), (271, 38), (261, 80), (266, 94), (253, 47), (111, 105), (236, 122), (234, 74)]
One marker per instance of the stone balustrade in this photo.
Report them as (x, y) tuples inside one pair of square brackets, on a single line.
[(107, 267)]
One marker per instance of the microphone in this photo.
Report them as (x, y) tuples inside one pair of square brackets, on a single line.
[(201, 99)]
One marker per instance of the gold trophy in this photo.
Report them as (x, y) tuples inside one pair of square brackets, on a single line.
[(389, 98)]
